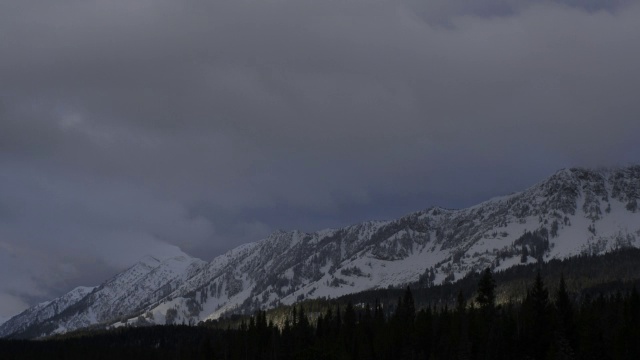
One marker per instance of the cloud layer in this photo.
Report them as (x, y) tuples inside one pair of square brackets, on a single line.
[(129, 127)]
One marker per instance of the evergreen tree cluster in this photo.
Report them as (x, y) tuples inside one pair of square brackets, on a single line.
[(534, 244)]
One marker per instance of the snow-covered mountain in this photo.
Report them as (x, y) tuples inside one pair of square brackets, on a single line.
[(45, 310), (574, 211), (141, 286)]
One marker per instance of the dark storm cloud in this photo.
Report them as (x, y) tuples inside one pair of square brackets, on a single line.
[(133, 126)]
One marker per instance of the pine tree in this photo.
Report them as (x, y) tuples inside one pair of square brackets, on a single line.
[(564, 311), (486, 297), (349, 329), (538, 324), (461, 303), (409, 306), (378, 314), (564, 340), (349, 316), (539, 295), (525, 254)]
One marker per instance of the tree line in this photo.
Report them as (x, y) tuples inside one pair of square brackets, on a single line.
[(544, 325)]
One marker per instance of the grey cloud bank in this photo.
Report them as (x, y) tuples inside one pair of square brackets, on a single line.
[(129, 127)]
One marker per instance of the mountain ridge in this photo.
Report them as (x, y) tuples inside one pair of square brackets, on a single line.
[(573, 211)]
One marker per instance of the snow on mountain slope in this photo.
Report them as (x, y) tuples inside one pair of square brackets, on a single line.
[(130, 292), (574, 211), (127, 293), (43, 311)]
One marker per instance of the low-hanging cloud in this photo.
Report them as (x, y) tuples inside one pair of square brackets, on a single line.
[(135, 126)]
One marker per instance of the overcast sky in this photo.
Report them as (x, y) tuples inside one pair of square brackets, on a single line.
[(130, 127)]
